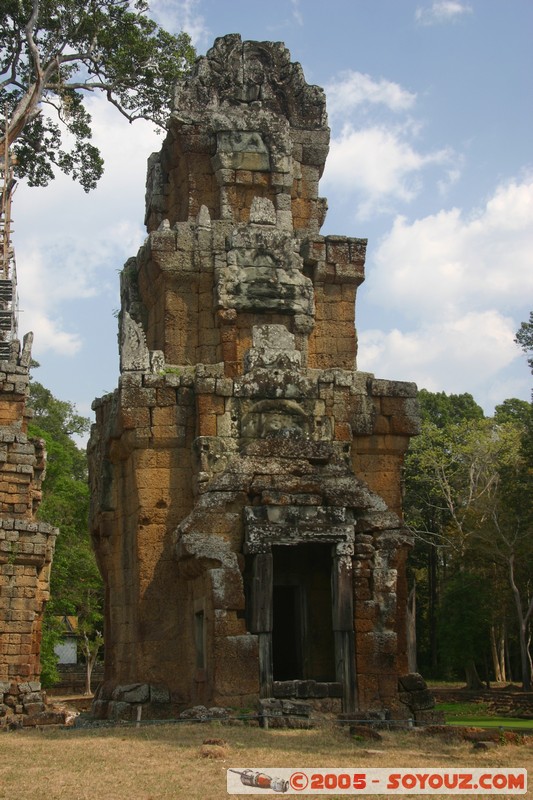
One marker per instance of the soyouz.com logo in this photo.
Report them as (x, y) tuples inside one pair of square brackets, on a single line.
[(376, 781)]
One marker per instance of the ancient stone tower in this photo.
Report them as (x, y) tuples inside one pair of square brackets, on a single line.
[(245, 476), (26, 546)]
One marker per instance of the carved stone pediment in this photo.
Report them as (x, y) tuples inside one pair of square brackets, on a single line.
[(264, 274), (134, 353), (241, 150)]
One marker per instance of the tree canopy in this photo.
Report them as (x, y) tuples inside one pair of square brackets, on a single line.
[(54, 53), (469, 502), (442, 409)]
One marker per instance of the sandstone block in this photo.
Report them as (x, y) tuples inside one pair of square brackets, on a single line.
[(139, 694), (159, 695), (33, 708)]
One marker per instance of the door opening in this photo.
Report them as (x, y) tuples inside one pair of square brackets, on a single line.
[(287, 633), (302, 633)]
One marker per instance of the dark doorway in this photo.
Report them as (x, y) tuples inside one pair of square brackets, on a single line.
[(287, 633), (302, 634)]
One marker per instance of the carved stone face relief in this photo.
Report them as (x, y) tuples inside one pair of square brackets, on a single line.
[(210, 457), (242, 150), (253, 74), (134, 353), (256, 274), (274, 418), (256, 280)]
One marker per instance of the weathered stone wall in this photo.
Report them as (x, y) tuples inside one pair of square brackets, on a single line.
[(26, 546), (241, 426)]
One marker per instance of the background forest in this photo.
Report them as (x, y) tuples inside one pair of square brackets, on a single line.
[(469, 503), (75, 583)]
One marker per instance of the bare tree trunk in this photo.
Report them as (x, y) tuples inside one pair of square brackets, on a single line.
[(494, 654), (411, 630), (523, 626), (503, 637), (486, 671), (88, 674), (91, 650), (432, 613), (497, 642), (473, 681), (524, 659), (508, 667)]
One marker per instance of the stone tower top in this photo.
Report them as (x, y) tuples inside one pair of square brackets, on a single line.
[(245, 125), (234, 218), (234, 73)]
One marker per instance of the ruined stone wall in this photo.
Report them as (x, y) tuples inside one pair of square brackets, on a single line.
[(26, 546), (144, 492), (241, 426)]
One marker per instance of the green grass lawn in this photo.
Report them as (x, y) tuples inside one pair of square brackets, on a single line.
[(478, 715)]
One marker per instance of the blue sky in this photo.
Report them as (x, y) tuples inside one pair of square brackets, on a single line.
[(430, 109)]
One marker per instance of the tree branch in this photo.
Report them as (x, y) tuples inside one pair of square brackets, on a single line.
[(14, 65), (28, 30), (26, 109), (516, 592)]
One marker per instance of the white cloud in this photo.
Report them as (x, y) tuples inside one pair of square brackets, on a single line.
[(461, 282), (444, 348), (379, 160), (379, 165), (297, 12), (441, 11), (69, 245), (355, 89), (50, 335), (458, 355), (58, 270), (448, 264), (177, 15), (450, 178)]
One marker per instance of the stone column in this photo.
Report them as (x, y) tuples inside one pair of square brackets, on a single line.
[(261, 617), (343, 624)]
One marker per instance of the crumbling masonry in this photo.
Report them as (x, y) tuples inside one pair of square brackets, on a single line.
[(26, 546), (245, 476)]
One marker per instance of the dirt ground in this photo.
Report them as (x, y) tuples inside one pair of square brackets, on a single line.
[(190, 760)]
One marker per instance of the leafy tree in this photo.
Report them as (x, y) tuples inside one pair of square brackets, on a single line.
[(442, 409), (469, 496), (447, 476), (53, 53), (505, 531), (425, 508), (524, 338), (52, 635), (513, 410), (57, 422), (75, 583)]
